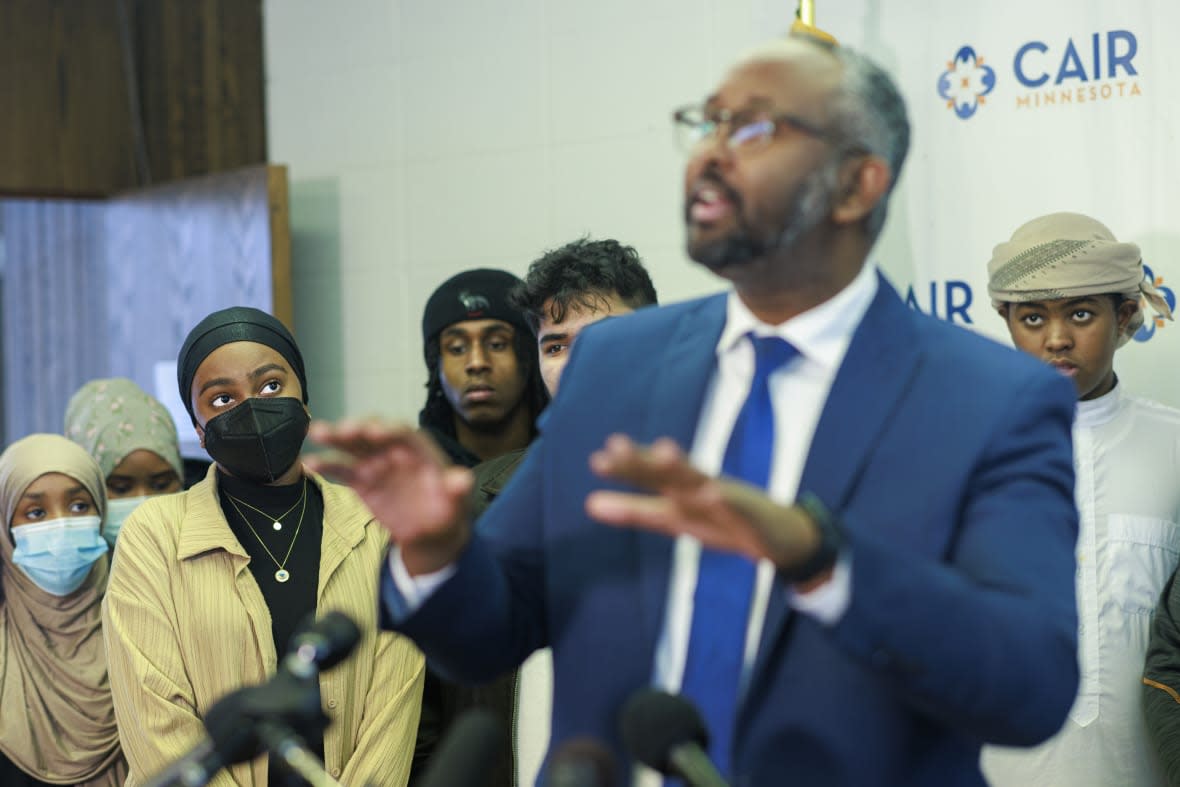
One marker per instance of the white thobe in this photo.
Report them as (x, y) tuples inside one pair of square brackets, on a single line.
[(1127, 459)]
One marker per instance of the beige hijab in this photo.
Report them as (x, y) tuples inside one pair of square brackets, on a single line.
[(114, 417), (1068, 255), (58, 721)]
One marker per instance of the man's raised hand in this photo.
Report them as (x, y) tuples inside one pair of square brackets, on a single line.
[(407, 483)]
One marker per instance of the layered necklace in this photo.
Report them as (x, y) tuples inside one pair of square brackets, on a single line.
[(281, 574)]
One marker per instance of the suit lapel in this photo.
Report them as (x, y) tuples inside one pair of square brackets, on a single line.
[(877, 370), (677, 394)]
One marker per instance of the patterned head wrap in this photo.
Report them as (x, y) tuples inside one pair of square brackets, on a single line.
[(1068, 255), (113, 418)]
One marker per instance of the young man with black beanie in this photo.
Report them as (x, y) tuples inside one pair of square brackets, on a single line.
[(566, 288), (484, 395), (484, 391)]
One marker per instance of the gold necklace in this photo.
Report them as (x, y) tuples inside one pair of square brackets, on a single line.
[(282, 575), (276, 522)]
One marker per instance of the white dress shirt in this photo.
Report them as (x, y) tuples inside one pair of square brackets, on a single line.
[(1127, 459)]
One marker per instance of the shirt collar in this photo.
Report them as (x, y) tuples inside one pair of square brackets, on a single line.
[(1096, 412), (822, 333)]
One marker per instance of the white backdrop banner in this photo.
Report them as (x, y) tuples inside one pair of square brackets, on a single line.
[(1021, 109)]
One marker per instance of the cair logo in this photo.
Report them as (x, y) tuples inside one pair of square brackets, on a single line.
[(948, 300), (1153, 322), (965, 83), (1099, 67), (1071, 72)]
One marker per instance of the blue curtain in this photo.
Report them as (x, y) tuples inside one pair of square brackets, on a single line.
[(101, 289)]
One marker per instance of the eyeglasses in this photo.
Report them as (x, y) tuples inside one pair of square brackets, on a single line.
[(741, 129)]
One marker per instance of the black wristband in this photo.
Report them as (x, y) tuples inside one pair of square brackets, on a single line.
[(830, 542)]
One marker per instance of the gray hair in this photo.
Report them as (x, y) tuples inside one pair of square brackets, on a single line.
[(868, 113)]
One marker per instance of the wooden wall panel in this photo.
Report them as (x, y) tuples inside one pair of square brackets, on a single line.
[(67, 83), (282, 295), (64, 119), (201, 85)]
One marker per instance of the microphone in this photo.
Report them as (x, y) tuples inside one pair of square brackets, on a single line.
[(288, 702), (321, 644), (230, 740), (467, 752), (665, 732), (581, 762)]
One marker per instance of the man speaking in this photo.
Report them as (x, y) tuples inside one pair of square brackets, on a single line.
[(843, 529)]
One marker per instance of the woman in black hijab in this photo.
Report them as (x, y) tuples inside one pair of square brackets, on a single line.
[(210, 584)]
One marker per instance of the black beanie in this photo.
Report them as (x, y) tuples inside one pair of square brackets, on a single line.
[(480, 294), (235, 324)]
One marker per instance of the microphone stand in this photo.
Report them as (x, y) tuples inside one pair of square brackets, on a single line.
[(272, 716), (285, 743)]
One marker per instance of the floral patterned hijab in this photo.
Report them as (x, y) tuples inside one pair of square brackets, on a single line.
[(114, 417)]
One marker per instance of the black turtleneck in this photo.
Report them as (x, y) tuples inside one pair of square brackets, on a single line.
[(12, 776), (291, 601)]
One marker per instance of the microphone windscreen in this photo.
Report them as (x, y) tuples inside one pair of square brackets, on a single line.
[(231, 728), (327, 641), (581, 762), (467, 753), (654, 722)]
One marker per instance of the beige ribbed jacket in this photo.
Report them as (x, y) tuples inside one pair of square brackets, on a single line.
[(185, 623)]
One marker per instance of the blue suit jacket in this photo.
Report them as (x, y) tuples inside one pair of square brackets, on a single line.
[(948, 460)]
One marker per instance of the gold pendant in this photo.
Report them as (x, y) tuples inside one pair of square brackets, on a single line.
[(282, 575)]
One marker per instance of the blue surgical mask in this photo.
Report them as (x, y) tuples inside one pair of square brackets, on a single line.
[(58, 555), (117, 511)]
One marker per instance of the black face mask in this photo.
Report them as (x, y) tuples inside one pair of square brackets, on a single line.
[(259, 439)]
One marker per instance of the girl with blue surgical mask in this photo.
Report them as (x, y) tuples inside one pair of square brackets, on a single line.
[(133, 438), (58, 720)]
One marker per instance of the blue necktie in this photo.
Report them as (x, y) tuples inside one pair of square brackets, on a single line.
[(725, 582)]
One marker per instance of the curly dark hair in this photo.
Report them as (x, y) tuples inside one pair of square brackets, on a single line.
[(438, 414), (582, 274)]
